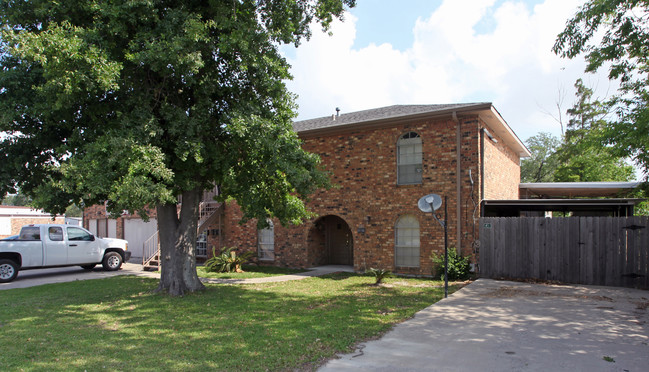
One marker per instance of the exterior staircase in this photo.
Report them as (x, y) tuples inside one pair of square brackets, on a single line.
[(209, 212)]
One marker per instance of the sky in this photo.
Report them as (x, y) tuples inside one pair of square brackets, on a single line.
[(389, 52)]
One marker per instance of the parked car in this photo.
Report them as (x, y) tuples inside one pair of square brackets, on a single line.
[(13, 237), (46, 246)]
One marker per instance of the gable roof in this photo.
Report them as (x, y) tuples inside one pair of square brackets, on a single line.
[(400, 113)]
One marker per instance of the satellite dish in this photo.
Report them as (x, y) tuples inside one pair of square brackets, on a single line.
[(425, 203)]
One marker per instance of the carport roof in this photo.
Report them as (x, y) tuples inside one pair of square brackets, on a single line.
[(619, 207), (576, 189)]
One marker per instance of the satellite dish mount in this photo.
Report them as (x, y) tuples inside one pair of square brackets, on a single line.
[(429, 204)]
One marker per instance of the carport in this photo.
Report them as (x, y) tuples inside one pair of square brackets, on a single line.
[(590, 241)]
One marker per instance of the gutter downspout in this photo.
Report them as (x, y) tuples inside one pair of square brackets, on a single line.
[(458, 182), (482, 175)]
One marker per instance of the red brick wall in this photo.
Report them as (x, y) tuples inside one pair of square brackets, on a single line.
[(502, 170), (363, 168)]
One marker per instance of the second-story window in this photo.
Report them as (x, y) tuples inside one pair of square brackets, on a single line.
[(409, 155)]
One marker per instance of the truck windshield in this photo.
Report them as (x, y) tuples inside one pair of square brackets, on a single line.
[(30, 233)]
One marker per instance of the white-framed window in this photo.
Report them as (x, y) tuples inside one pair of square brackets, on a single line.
[(406, 245), (266, 243), (409, 155), (201, 244)]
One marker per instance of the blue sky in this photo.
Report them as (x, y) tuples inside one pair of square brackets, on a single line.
[(444, 51)]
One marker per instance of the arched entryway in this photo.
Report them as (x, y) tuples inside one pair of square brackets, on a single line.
[(332, 242)]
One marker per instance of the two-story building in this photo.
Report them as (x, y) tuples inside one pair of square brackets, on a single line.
[(381, 162)]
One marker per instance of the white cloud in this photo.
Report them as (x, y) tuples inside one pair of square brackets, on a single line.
[(453, 58)]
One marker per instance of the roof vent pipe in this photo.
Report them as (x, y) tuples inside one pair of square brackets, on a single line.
[(337, 111)]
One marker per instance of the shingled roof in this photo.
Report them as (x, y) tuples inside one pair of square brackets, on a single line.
[(382, 113), (387, 115)]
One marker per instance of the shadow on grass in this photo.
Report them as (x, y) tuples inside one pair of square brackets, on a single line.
[(119, 324)]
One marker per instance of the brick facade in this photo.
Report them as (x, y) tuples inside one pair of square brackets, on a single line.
[(367, 198), (501, 170)]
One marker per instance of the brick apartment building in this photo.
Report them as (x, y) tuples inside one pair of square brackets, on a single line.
[(381, 162)]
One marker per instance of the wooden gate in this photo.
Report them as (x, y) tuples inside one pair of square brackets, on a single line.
[(611, 251)]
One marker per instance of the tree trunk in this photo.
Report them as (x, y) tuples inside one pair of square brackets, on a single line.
[(178, 245)]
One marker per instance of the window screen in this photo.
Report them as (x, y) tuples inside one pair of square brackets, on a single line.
[(407, 242), (266, 238), (409, 159)]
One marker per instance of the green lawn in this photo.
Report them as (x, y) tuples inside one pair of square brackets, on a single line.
[(250, 271), (118, 324)]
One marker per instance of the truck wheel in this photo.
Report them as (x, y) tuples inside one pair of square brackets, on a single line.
[(8, 271), (88, 267), (112, 261)]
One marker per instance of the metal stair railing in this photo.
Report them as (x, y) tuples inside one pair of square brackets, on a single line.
[(151, 249)]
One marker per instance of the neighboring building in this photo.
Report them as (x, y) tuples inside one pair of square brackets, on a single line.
[(381, 162), (12, 218)]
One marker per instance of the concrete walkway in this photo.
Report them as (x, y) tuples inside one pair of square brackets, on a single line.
[(509, 326)]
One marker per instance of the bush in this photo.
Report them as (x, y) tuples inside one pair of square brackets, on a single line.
[(458, 266), (227, 261), (379, 274)]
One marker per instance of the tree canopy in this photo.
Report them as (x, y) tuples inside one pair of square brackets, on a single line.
[(580, 155), (541, 166), (137, 102), (583, 156), (614, 34)]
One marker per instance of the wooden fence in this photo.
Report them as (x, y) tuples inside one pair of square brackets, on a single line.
[(611, 251)]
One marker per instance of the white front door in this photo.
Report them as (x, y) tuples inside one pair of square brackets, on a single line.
[(136, 232)]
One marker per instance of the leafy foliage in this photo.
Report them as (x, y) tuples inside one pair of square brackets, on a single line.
[(135, 102), (227, 261), (379, 274), (583, 155), (459, 267), (19, 200), (540, 167), (622, 48)]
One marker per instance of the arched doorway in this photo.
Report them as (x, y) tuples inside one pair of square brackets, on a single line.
[(336, 241)]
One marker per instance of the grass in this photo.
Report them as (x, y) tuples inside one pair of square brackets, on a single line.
[(118, 324), (250, 271)]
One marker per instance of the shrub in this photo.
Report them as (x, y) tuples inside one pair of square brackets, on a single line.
[(379, 274), (458, 266), (227, 261)]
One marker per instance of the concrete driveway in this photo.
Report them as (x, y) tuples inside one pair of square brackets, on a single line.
[(31, 278), (509, 326)]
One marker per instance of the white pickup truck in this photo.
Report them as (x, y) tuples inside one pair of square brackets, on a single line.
[(45, 246)]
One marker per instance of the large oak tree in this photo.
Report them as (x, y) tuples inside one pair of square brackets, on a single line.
[(137, 102)]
